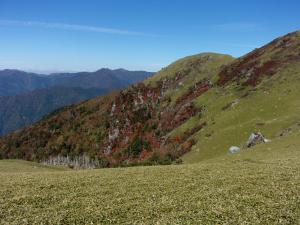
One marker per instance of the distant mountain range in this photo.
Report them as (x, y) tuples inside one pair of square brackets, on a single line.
[(27, 97), (13, 82)]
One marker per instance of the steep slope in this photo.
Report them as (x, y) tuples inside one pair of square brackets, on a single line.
[(22, 110), (257, 92), (123, 128), (197, 107)]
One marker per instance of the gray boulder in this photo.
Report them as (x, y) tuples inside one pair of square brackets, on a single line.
[(234, 149)]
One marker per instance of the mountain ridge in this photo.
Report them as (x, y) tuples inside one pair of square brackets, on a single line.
[(14, 81)]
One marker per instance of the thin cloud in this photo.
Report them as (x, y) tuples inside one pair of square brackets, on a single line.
[(71, 27)]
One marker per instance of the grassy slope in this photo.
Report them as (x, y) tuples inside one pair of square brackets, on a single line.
[(258, 186), (193, 61), (276, 106), (270, 107)]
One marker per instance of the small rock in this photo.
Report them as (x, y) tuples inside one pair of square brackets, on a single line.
[(234, 149), (256, 138)]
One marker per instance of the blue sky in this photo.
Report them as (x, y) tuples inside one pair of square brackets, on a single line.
[(75, 35)]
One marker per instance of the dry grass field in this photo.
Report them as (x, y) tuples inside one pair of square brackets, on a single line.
[(257, 186)]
